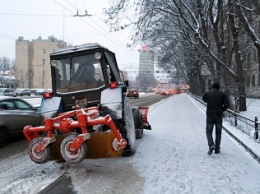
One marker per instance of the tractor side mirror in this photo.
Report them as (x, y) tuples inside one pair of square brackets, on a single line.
[(54, 63)]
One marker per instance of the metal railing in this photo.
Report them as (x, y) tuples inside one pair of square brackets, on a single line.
[(248, 126)]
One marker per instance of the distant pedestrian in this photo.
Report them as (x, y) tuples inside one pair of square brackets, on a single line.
[(217, 102)]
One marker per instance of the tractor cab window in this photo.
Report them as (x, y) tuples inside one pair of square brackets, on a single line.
[(113, 71), (78, 73)]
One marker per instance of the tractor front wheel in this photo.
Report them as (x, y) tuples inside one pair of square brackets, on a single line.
[(39, 157), (69, 156)]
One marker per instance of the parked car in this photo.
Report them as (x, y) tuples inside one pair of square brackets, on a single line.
[(15, 114), (23, 92), (42, 91), (7, 92), (132, 93), (39, 91), (33, 90)]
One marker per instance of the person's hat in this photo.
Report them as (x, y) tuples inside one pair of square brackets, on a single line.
[(215, 85)]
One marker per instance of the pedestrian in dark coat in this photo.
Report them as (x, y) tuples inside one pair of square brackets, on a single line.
[(217, 102)]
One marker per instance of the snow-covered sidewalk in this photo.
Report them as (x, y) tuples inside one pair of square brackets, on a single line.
[(252, 145), (173, 156)]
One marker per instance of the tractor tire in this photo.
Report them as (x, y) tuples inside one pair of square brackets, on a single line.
[(130, 129), (72, 158), (3, 137), (138, 120), (42, 157)]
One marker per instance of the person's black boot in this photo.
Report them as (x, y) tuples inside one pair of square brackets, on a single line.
[(211, 150), (217, 150)]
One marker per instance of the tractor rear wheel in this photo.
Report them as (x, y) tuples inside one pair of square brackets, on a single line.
[(39, 157), (130, 129), (72, 157), (138, 121), (3, 137)]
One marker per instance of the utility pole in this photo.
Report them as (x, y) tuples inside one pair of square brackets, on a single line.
[(43, 72), (63, 25)]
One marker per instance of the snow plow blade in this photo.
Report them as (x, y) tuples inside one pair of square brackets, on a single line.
[(144, 112)]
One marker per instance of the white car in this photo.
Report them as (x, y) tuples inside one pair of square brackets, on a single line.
[(7, 92)]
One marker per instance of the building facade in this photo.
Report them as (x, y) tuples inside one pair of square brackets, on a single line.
[(132, 75), (33, 61), (146, 68)]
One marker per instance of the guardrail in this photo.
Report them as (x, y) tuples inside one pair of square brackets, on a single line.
[(248, 126)]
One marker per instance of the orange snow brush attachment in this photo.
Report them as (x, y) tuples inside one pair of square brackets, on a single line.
[(71, 146), (55, 148), (100, 145)]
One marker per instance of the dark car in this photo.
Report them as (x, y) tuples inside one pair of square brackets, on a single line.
[(165, 92), (132, 93), (15, 114), (7, 92), (23, 92)]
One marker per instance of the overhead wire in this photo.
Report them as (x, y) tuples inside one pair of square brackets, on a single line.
[(96, 28), (47, 15), (27, 14)]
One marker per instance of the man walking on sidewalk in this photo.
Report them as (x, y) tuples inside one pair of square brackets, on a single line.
[(217, 102)]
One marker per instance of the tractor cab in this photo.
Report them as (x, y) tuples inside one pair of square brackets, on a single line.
[(83, 72)]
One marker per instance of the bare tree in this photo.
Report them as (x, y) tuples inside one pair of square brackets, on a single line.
[(247, 12), (5, 65), (191, 35)]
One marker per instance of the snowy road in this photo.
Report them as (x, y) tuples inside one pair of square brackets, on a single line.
[(171, 158)]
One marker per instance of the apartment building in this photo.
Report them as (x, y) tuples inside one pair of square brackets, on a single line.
[(33, 61), (146, 68)]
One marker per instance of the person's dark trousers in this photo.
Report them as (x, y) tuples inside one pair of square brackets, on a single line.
[(211, 121)]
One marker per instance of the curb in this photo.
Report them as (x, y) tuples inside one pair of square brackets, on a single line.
[(255, 156)]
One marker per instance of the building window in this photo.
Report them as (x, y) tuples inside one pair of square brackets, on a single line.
[(44, 51), (248, 81), (258, 79), (248, 60), (253, 80), (43, 61), (157, 71)]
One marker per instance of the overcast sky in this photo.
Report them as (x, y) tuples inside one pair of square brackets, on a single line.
[(31, 19)]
